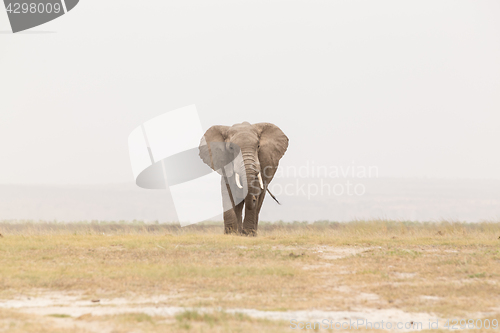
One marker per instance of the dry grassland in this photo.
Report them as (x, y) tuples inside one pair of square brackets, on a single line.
[(116, 277)]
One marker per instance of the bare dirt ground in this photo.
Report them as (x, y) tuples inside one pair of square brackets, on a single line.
[(137, 278)]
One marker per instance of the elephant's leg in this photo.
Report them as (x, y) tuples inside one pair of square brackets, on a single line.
[(251, 221), (232, 217), (258, 207), (249, 227), (232, 220), (239, 213)]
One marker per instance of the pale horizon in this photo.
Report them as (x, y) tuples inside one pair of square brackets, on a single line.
[(409, 88)]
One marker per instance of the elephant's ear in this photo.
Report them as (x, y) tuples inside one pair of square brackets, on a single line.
[(273, 144), (213, 147)]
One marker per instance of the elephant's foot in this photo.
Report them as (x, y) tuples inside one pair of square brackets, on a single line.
[(249, 232), (231, 229)]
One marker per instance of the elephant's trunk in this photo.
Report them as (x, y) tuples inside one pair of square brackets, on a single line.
[(253, 192), (254, 180)]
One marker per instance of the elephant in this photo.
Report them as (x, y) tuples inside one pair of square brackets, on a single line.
[(247, 156)]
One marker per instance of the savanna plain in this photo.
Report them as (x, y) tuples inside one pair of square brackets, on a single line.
[(137, 277)]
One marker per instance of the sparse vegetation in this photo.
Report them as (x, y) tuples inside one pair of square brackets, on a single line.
[(415, 267)]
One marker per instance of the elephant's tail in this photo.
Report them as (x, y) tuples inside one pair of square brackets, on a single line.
[(273, 196)]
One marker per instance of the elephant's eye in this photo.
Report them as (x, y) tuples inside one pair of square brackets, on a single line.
[(258, 146)]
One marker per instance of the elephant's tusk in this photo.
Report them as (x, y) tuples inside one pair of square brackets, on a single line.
[(238, 180), (260, 181)]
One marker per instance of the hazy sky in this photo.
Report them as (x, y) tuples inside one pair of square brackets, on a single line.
[(411, 87)]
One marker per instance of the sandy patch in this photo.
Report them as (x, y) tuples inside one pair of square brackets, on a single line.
[(361, 317), (328, 252), (54, 299), (72, 305), (404, 275), (333, 253)]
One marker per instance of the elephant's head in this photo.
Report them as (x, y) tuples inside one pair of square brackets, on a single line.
[(261, 145)]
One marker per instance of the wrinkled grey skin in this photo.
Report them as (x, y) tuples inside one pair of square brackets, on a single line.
[(262, 145)]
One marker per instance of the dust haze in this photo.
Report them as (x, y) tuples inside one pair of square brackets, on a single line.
[(408, 87)]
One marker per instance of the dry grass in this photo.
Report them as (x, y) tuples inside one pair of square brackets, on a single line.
[(416, 267), (15, 322)]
